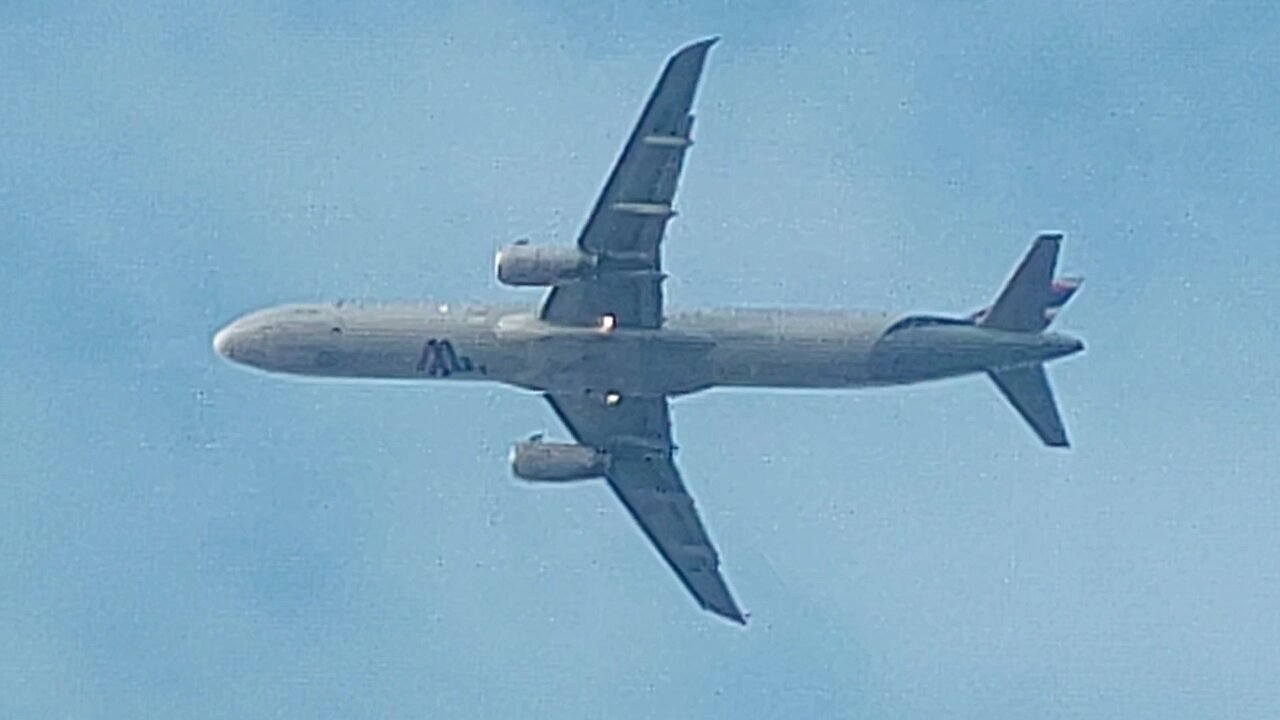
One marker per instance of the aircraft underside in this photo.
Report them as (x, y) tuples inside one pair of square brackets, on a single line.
[(607, 356)]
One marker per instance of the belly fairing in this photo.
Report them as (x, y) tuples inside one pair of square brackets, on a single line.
[(635, 361)]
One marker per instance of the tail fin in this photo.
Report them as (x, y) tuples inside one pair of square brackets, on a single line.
[(1028, 303), (1031, 297), (1027, 390)]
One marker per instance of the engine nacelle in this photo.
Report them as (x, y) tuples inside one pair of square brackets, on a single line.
[(557, 462), (523, 264)]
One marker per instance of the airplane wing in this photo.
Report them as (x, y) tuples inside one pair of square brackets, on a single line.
[(636, 432), (626, 226)]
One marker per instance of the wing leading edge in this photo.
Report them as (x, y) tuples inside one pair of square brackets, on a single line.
[(624, 231), (636, 433)]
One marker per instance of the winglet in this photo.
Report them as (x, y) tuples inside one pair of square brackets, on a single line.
[(704, 43), (730, 612), (688, 59)]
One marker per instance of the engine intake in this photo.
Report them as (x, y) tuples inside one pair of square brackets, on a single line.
[(557, 462), (522, 264)]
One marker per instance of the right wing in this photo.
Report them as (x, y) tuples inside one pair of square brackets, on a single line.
[(636, 432), (624, 231)]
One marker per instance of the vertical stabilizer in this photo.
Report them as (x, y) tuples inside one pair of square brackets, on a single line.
[(1028, 390), (1025, 303)]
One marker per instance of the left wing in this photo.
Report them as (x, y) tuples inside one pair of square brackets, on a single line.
[(626, 226), (636, 433)]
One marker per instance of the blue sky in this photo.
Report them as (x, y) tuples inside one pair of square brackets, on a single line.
[(181, 537)]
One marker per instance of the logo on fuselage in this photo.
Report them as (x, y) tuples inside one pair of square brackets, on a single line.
[(439, 359)]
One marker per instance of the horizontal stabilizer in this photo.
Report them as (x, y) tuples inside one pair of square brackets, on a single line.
[(1028, 390), (1024, 302)]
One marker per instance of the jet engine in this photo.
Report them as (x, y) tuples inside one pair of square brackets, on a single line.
[(523, 264), (557, 462)]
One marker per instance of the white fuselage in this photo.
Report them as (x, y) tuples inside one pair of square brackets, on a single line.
[(692, 351)]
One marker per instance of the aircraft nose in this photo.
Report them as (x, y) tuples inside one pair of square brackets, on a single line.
[(224, 342), (240, 341)]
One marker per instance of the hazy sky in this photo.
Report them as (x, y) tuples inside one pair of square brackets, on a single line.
[(179, 537)]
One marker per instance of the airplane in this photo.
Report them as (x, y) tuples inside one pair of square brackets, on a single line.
[(603, 351)]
